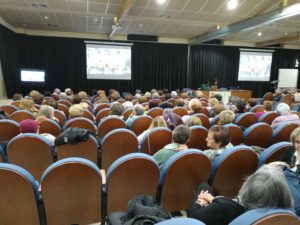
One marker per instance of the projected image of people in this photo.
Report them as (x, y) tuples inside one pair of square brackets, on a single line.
[(108, 61)]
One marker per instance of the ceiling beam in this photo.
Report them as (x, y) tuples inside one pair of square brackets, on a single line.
[(118, 20), (249, 24), (285, 39)]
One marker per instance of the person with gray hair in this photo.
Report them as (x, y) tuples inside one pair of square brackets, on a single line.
[(63, 96), (173, 94), (266, 188), (138, 110), (285, 116)]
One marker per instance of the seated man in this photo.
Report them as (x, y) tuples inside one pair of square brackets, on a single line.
[(285, 116), (180, 137)]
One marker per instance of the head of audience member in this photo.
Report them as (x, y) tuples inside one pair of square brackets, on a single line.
[(166, 105), (195, 106), (46, 111), (266, 188), (47, 93), (160, 92), (116, 109), (181, 134), (138, 110), (194, 121), (152, 103), (38, 99), (63, 96), (83, 95), (226, 117), (33, 93), (241, 106), (285, 92), (295, 139), (268, 105), (283, 109), (129, 97), (165, 90), (184, 94), (75, 111), (17, 96), (233, 100), (56, 91), (128, 105), (158, 122), (180, 102), (104, 99), (155, 95), (218, 97), (76, 99), (142, 99), (29, 126), (167, 96), (153, 90), (52, 103), (252, 102), (84, 105), (137, 95), (199, 94), (213, 102), (147, 94), (218, 108), (218, 137), (26, 104), (68, 91), (173, 94), (115, 96)]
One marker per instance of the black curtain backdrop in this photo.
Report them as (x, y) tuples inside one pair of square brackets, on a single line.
[(154, 65), (222, 62)]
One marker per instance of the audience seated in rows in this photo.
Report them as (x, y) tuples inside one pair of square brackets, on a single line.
[(138, 110), (156, 122), (226, 117), (28, 105), (268, 105)]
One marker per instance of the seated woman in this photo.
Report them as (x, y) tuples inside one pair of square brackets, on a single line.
[(285, 116), (266, 188), (218, 140), (268, 105), (28, 105), (226, 117)]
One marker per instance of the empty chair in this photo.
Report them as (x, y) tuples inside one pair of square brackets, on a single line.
[(108, 124), (116, 144), (273, 153), (267, 217), (18, 196), (49, 126), (8, 129), (21, 115), (101, 114), (236, 133), (204, 119), (99, 107), (60, 116), (87, 114), (267, 97), (286, 99), (180, 111), (257, 108), (9, 109), (259, 134), (230, 168), (81, 122), (181, 221), (129, 176), (155, 140), (2, 155), (64, 109), (140, 124), (180, 175), (246, 119), (72, 192), (85, 149), (198, 137), (127, 113), (156, 111), (283, 131), (268, 117), (30, 151)]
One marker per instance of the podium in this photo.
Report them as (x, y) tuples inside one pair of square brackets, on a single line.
[(244, 94)]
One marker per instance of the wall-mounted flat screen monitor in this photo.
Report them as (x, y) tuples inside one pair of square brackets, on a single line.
[(32, 76)]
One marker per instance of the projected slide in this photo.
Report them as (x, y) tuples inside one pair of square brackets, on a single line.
[(255, 66), (32, 76), (108, 62)]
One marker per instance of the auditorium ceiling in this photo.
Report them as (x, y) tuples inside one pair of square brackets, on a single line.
[(175, 18)]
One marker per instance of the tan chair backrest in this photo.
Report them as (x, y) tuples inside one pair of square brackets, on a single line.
[(204, 119), (141, 124), (21, 115), (101, 114), (180, 111), (154, 112), (50, 127), (100, 107), (259, 134), (65, 102), (87, 114), (198, 138), (81, 122), (64, 109), (8, 129), (108, 124), (284, 134)]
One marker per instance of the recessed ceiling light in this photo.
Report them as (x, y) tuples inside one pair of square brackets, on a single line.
[(259, 34), (232, 4), (160, 1), (286, 33), (95, 19), (46, 17)]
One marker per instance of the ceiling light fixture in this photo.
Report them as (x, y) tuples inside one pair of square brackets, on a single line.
[(46, 17), (95, 20), (160, 1), (232, 4), (259, 34)]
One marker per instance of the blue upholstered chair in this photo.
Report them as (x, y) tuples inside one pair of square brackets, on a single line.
[(214, 121), (18, 196), (131, 175), (72, 192), (102, 114), (140, 124), (108, 124), (268, 117), (116, 144), (179, 177), (246, 119), (257, 108), (60, 115), (2, 155), (32, 152), (155, 140), (266, 217), (283, 132), (258, 134), (273, 153), (230, 168), (236, 133), (204, 119), (181, 221)]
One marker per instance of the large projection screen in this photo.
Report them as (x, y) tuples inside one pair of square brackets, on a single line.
[(255, 65), (108, 61)]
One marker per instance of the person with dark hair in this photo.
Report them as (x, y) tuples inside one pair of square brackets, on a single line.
[(180, 137), (166, 105), (76, 99), (218, 97), (47, 93), (218, 140), (241, 106), (205, 86), (153, 103), (38, 99), (167, 96), (17, 96)]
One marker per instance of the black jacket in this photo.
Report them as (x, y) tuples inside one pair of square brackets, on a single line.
[(72, 135)]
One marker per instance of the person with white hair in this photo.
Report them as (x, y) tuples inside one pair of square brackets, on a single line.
[(173, 94), (56, 91), (63, 96), (128, 105), (285, 116)]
